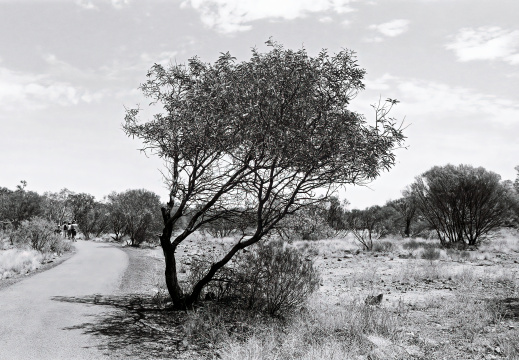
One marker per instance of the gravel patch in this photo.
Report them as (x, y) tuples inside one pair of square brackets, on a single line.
[(144, 272)]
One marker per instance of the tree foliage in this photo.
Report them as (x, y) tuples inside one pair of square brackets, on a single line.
[(461, 203), (19, 205), (370, 224), (89, 214), (258, 137), (56, 207), (308, 223), (135, 213), (406, 208)]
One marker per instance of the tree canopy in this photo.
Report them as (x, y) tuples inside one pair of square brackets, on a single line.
[(461, 203), (260, 137)]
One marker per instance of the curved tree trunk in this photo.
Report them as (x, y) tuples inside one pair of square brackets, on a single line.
[(170, 272)]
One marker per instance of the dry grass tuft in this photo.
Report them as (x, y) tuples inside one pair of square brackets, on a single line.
[(322, 331), (18, 261)]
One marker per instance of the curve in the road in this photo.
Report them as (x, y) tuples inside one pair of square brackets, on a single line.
[(34, 326)]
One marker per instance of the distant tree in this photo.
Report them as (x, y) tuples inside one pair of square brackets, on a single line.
[(136, 213), (336, 215), (512, 200), (90, 215), (116, 216), (261, 136), (516, 182), (370, 224), (309, 223), (406, 209), (56, 207), (461, 203), (19, 205)]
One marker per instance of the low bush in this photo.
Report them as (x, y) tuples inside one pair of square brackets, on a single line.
[(275, 278), (383, 246), (39, 234), (272, 277), (414, 244), (431, 254)]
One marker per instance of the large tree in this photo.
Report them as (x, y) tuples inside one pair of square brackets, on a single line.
[(461, 203), (260, 137)]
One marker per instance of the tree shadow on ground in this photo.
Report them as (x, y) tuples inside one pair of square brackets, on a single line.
[(510, 308), (135, 326)]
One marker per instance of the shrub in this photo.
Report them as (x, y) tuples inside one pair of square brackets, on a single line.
[(272, 278), (40, 235), (431, 254), (413, 245), (383, 246), (223, 284), (276, 278)]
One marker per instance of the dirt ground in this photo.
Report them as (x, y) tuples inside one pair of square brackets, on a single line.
[(463, 305), (464, 308)]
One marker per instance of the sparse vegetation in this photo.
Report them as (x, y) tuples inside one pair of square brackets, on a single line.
[(40, 235), (431, 254), (430, 309), (18, 261)]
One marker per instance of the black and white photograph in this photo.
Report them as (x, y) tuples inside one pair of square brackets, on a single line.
[(259, 179)]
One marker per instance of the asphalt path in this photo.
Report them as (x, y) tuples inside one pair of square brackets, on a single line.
[(35, 324)]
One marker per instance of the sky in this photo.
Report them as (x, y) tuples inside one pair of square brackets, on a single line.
[(69, 68)]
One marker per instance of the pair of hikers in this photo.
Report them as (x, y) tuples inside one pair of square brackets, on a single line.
[(69, 231)]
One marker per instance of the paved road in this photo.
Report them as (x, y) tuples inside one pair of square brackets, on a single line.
[(34, 326)]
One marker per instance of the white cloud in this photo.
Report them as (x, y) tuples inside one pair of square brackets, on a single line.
[(392, 28), (486, 43), (442, 101), (86, 4), (162, 58), (326, 19), (229, 16), (90, 4), (30, 91), (119, 4), (374, 39), (381, 83)]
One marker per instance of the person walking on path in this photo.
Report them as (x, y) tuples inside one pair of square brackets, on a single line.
[(73, 231), (65, 230)]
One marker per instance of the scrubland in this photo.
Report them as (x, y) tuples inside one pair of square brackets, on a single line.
[(32, 246), (437, 304)]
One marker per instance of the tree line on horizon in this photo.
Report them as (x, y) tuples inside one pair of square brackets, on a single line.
[(132, 214), (457, 205)]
